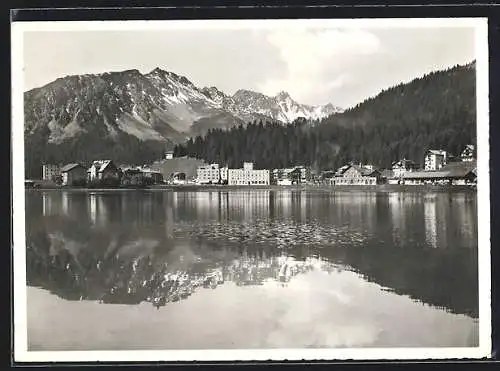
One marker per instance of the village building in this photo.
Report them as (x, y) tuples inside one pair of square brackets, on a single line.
[(209, 174), (154, 175), (102, 169), (356, 175), (455, 173), (435, 159), (248, 176), (131, 175), (401, 167), (326, 176), (179, 178), (341, 170), (387, 177), (169, 155), (282, 176), (469, 153), (50, 171), (284, 181), (130, 171), (72, 173), (292, 175), (224, 174), (303, 174)]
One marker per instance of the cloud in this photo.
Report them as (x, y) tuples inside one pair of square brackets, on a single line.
[(309, 54), (315, 65)]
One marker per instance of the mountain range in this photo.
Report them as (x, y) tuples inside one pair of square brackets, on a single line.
[(158, 106)]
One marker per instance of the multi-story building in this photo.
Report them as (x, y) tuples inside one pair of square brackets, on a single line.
[(49, 171), (248, 176), (224, 174), (356, 175), (281, 176), (435, 159), (292, 175), (401, 167), (209, 174)]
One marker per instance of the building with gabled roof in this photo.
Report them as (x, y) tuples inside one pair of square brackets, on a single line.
[(101, 169), (469, 153), (401, 167), (73, 172), (356, 175), (455, 173)]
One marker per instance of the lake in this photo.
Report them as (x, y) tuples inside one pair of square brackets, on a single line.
[(144, 270)]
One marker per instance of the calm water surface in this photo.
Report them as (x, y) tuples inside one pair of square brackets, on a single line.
[(250, 269)]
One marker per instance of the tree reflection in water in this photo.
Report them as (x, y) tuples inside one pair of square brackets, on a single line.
[(422, 247), (76, 274)]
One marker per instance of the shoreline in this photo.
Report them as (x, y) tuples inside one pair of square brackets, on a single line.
[(383, 188)]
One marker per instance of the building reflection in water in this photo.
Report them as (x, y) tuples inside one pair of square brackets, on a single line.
[(284, 200), (247, 206), (146, 205), (93, 208), (436, 211), (397, 215), (169, 222), (223, 206), (46, 204), (357, 210), (176, 251), (51, 203), (174, 199), (464, 208), (102, 214), (303, 207), (65, 202), (430, 217), (204, 203)]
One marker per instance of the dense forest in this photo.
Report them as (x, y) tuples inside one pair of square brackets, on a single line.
[(435, 111)]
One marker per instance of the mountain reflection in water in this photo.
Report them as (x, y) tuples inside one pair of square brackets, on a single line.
[(161, 247)]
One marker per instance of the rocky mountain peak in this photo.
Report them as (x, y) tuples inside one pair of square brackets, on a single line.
[(283, 95), (157, 106)]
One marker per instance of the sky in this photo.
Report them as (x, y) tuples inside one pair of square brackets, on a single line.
[(315, 65)]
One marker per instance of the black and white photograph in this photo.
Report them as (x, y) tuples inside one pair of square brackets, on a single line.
[(265, 189)]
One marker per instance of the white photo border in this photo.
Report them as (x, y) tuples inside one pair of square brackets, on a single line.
[(21, 353)]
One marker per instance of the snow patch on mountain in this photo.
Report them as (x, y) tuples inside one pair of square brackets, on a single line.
[(159, 105)]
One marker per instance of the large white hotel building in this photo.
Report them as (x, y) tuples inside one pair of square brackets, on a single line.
[(209, 174), (213, 174), (248, 176)]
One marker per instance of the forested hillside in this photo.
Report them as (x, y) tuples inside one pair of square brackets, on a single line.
[(435, 111)]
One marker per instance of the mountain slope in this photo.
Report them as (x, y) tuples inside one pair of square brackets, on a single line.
[(435, 111), (154, 106), (113, 114)]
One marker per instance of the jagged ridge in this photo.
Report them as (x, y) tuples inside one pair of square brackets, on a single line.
[(159, 105)]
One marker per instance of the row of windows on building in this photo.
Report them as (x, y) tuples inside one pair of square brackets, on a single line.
[(245, 176)]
